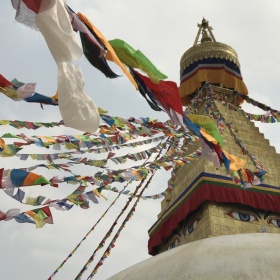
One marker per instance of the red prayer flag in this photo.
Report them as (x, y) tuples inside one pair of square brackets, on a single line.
[(166, 92), (4, 82), (33, 5), (2, 216)]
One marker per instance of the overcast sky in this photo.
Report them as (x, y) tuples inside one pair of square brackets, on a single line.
[(163, 31)]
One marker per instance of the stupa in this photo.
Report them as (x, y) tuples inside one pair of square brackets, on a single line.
[(216, 227)]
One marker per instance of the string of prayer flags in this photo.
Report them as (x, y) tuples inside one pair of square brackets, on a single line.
[(108, 234), (265, 118), (24, 91), (206, 123), (256, 103), (110, 132), (269, 117), (237, 141), (116, 137), (136, 59), (75, 141), (8, 150), (233, 164), (10, 178), (110, 55), (93, 48), (15, 214), (69, 155), (2, 145), (144, 197), (78, 197), (106, 177), (165, 94), (84, 238), (39, 216), (136, 173), (146, 93), (30, 125), (236, 165), (112, 243), (10, 214)]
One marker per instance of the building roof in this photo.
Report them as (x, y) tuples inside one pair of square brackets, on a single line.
[(209, 61)]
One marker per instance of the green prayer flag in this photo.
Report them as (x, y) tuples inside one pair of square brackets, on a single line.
[(136, 59)]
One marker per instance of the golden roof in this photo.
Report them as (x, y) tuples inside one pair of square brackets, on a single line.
[(207, 47)]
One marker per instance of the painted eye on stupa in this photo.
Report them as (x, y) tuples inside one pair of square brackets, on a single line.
[(174, 244), (191, 227), (274, 221), (244, 217)]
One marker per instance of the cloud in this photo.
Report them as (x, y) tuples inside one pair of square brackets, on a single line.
[(163, 31)]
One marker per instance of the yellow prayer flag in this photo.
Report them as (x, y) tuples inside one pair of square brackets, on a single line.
[(236, 163), (208, 136), (111, 55)]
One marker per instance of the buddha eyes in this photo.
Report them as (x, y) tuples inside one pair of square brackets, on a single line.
[(174, 244), (244, 217), (274, 221), (191, 227)]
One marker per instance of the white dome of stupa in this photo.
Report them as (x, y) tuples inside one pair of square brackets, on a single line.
[(229, 257)]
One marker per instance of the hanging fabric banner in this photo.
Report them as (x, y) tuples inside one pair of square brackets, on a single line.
[(21, 91), (136, 59)]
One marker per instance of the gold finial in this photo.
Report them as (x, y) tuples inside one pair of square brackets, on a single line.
[(204, 23), (204, 28), (205, 37)]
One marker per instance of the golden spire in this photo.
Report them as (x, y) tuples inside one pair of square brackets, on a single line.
[(199, 64), (205, 37), (206, 47), (204, 29)]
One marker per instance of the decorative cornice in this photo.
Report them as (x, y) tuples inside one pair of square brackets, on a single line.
[(208, 50)]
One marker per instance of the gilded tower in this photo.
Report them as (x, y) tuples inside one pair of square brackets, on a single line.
[(204, 201), (213, 225)]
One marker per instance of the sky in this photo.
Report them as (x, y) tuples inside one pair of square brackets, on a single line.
[(163, 31)]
